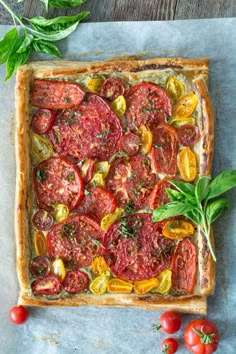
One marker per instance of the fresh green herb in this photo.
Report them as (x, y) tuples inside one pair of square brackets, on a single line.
[(70, 177), (86, 192), (158, 146), (195, 202), (126, 231), (62, 3), (68, 230), (103, 134), (41, 175), (117, 155), (145, 110), (36, 34), (129, 208), (80, 163), (133, 176), (95, 241)]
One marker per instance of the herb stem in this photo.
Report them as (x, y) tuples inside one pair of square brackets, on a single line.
[(13, 15), (207, 232)]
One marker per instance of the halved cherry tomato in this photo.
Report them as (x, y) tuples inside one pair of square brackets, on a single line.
[(94, 84), (99, 285), (185, 106), (170, 322), (87, 169), (109, 219), (58, 268), (42, 220), (187, 164), (130, 144), (174, 88), (188, 135), (18, 314), (98, 180), (146, 139), (41, 147), (119, 106), (48, 285), (177, 229), (169, 346), (99, 265), (178, 121), (40, 243), (164, 279), (61, 212), (144, 286), (42, 121), (102, 167), (119, 286), (40, 266), (75, 281), (112, 88)]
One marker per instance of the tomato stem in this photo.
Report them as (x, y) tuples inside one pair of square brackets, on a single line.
[(205, 338), (156, 326), (165, 349)]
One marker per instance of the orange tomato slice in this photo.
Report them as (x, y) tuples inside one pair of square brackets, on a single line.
[(177, 229), (144, 286), (40, 244), (187, 164), (119, 286), (99, 265), (146, 139), (185, 106)]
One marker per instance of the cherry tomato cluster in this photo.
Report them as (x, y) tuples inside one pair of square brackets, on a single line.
[(200, 336)]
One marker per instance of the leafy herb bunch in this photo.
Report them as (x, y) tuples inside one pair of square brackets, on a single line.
[(198, 202), (37, 34)]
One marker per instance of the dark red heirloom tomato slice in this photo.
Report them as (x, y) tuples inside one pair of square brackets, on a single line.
[(42, 121), (184, 266), (57, 180), (159, 195), (135, 248), (188, 135), (49, 285), (56, 94), (112, 88), (165, 149), (75, 281), (97, 203), (130, 144), (91, 130), (40, 266), (42, 220), (76, 239), (147, 104)]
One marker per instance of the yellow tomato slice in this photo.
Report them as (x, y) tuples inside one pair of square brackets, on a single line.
[(174, 88), (41, 147), (58, 268), (144, 286), (185, 106), (178, 121), (102, 167), (177, 229), (146, 139), (109, 219), (164, 279), (99, 285), (94, 85), (119, 286), (40, 244), (98, 179), (61, 212), (119, 106), (187, 164), (99, 265)]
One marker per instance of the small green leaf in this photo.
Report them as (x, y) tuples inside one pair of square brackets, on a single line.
[(117, 155), (171, 209), (202, 188), (65, 3), (175, 195), (196, 216), (26, 43), (214, 209), (42, 46), (186, 188), (222, 183), (6, 44)]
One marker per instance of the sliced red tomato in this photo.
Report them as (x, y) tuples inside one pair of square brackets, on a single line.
[(97, 203), (188, 135), (42, 220), (158, 195), (56, 94), (112, 88), (135, 248), (75, 281), (57, 181), (130, 144), (91, 130), (76, 239), (147, 104), (49, 285), (42, 121), (184, 266), (40, 266), (164, 150), (131, 180)]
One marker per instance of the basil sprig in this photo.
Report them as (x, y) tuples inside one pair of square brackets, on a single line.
[(198, 203), (36, 34)]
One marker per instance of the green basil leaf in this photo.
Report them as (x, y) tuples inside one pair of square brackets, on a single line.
[(202, 188), (175, 195), (46, 3), (6, 44), (65, 3), (222, 183), (186, 188), (171, 209), (215, 209), (41, 46), (195, 215), (26, 42)]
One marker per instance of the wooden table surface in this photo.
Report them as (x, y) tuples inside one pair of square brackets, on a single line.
[(130, 10)]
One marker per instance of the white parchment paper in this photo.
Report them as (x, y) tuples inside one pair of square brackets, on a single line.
[(113, 330)]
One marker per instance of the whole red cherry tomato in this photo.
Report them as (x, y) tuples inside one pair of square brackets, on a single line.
[(201, 337), (169, 346), (170, 322), (18, 314)]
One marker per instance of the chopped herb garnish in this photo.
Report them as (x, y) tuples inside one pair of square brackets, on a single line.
[(95, 241), (133, 176), (103, 134), (117, 155), (129, 208), (86, 192), (68, 230), (70, 177), (157, 146), (41, 175)]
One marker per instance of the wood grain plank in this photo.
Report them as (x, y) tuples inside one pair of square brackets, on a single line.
[(189, 9)]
